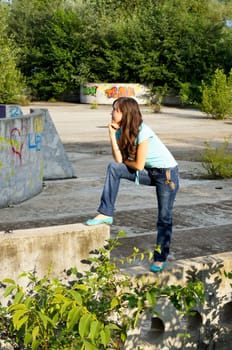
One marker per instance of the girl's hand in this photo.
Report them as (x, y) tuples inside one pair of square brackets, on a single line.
[(113, 127)]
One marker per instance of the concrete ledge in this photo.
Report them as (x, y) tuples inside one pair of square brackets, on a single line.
[(56, 248), (209, 328)]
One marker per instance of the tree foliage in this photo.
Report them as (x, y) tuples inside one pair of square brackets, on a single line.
[(171, 43), (11, 80)]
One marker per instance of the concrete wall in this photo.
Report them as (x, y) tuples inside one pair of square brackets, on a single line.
[(30, 151), (57, 248), (47, 250), (21, 158), (56, 163), (106, 93)]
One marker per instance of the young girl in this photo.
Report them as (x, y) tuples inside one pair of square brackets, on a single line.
[(139, 156)]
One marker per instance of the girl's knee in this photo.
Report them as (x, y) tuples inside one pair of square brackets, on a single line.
[(114, 166)]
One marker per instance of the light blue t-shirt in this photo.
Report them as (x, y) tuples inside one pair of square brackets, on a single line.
[(158, 155)]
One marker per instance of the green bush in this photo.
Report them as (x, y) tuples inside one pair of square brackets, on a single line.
[(218, 161), (89, 311), (217, 97)]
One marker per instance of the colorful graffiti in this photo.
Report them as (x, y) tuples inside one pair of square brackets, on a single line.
[(35, 139), (15, 112), (113, 92), (89, 90), (21, 158), (104, 93), (20, 137), (122, 91), (17, 141), (10, 111)]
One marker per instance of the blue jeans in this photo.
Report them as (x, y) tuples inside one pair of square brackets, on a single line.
[(165, 192)]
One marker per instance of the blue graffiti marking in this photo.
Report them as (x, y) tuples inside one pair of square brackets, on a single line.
[(36, 143)]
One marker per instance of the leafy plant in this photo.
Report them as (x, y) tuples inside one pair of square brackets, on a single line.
[(228, 275), (94, 105), (89, 311), (218, 161), (217, 97)]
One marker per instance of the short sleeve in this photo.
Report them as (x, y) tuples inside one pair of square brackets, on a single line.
[(144, 133)]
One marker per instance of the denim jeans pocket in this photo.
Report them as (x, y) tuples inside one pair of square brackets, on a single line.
[(168, 176)]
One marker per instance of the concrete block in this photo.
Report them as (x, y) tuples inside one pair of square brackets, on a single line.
[(212, 322), (57, 248)]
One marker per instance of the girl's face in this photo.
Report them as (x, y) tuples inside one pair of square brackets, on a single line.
[(116, 115)]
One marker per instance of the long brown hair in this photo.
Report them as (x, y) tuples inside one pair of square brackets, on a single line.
[(130, 123)]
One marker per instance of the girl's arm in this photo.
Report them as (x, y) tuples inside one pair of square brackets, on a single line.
[(141, 154), (114, 143)]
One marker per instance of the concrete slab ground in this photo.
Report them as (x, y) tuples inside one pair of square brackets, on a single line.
[(203, 208)]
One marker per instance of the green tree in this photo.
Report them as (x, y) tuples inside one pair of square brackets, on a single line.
[(53, 61), (43, 31), (169, 43), (11, 80), (183, 44)]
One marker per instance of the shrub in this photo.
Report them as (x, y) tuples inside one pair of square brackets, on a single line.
[(94, 105), (217, 97), (89, 311), (218, 161)]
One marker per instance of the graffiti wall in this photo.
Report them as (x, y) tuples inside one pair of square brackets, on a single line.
[(106, 93), (21, 158), (30, 152), (55, 160)]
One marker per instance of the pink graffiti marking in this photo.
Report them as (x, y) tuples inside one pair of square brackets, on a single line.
[(17, 140)]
